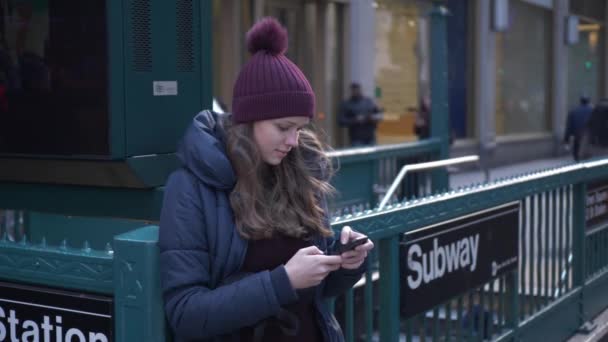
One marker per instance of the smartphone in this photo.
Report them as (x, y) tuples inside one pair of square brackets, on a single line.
[(340, 248)]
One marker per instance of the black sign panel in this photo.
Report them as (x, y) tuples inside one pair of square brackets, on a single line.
[(30, 313), (597, 204), (447, 259)]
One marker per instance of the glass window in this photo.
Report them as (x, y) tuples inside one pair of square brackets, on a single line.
[(231, 20), (592, 9), (291, 15), (584, 67), (53, 77), (334, 73), (402, 66), (523, 71), (400, 72)]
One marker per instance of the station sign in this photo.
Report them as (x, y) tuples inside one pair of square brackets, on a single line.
[(596, 212), (447, 259), (31, 313)]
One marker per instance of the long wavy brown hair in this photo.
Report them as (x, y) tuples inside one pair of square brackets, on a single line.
[(285, 198)]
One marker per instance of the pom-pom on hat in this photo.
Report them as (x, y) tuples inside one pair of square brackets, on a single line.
[(270, 86)]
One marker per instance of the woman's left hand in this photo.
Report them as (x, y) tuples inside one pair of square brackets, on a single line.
[(353, 259)]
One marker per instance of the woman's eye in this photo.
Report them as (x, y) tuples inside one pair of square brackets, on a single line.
[(283, 129)]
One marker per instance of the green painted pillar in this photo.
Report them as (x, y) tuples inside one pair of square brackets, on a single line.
[(579, 274), (389, 289), (439, 89), (138, 305)]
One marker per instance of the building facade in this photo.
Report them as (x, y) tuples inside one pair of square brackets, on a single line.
[(513, 75)]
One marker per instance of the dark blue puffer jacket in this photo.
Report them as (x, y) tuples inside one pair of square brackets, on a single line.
[(200, 247)]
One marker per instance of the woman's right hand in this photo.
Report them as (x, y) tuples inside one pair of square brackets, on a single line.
[(309, 266)]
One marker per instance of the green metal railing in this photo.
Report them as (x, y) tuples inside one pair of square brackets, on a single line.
[(559, 283), (373, 169), (370, 169), (126, 270), (556, 288), (12, 224)]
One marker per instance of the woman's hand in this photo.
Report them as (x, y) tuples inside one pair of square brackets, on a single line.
[(309, 266), (353, 259)]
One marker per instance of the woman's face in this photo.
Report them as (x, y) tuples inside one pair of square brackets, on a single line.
[(276, 137)]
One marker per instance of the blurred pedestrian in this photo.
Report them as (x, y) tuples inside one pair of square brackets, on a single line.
[(246, 249), (422, 126), (594, 139), (422, 122), (575, 125), (361, 115)]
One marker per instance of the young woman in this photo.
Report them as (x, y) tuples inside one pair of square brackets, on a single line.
[(247, 253)]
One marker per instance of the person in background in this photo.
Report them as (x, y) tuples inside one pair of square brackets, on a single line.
[(575, 125), (422, 125), (361, 115), (594, 138), (246, 249), (422, 122)]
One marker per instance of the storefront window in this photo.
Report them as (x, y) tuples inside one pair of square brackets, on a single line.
[(292, 15), (231, 20), (399, 69), (54, 78), (402, 65), (584, 68), (523, 71)]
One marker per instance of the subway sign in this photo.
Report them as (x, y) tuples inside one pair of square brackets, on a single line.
[(29, 313), (447, 259), (596, 213)]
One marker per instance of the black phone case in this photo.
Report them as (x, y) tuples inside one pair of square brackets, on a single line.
[(341, 248)]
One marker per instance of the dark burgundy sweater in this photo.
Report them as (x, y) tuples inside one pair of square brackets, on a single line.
[(268, 254)]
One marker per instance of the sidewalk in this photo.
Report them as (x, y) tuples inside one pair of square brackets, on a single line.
[(599, 334), (458, 179)]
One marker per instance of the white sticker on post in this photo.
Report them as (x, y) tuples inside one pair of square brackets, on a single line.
[(164, 88)]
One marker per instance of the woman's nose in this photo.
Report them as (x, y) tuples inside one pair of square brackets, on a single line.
[(292, 139)]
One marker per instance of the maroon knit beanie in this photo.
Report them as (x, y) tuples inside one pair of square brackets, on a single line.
[(269, 85)]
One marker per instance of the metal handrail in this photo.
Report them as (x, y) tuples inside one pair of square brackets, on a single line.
[(423, 166), (365, 150)]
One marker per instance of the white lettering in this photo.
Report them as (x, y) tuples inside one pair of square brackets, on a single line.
[(30, 330), (47, 328), (58, 329), (439, 266), (74, 332), (441, 260), (452, 255), (429, 273), (13, 321), (465, 257), (474, 243), (414, 266), (97, 337), (601, 196), (2, 327), (600, 209), (30, 333)]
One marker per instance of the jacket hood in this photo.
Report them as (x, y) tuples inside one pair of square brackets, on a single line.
[(202, 151)]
